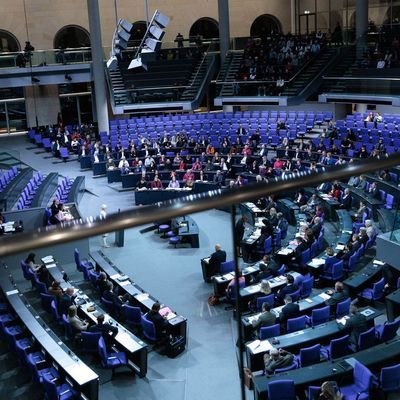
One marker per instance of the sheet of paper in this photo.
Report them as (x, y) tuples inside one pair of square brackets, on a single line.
[(325, 296), (125, 283), (142, 296), (115, 276), (340, 247), (253, 288), (378, 262)]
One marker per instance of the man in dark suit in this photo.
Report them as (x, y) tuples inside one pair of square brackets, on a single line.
[(337, 296), (374, 191), (160, 323), (357, 323), (214, 263), (291, 287), (271, 266), (346, 200), (241, 131), (111, 296), (289, 310), (266, 318), (107, 330), (66, 301), (102, 282), (316, 227), (239, 232)]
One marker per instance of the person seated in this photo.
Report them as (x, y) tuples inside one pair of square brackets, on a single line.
[(215, 260), (289, 310), (329, 391), (189, 184), (346, 200), (108, 331), (55, 290), (232, 284), (156, 183), (357, 323), (371, 231), (188, 175), (66, 301), (267, 268), (43, 275), (362, 236), (312, 202), (373, 191), (290, 287), (219, 178), (354, 181), (385, 176), (78, 325), (265, 290), (362, 183), (102, 282), (338, 295), (30, 262), (345, 254), (301, 198), (160, 323), (265, 318), (336, 192), (54, 218), (112, 297), (316, 227), (358, 215), (142, 184), (354, 242), (277, 359), (173, 183), (330, 256)]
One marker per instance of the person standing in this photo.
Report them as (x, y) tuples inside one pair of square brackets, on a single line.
[(239, 232), (103, 215)]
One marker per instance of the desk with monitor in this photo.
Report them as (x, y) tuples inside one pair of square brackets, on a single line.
[(78, 374), (187, 229)]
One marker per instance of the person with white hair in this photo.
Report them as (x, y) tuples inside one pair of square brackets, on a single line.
[(103, 215), (277, 358), (371, 232)]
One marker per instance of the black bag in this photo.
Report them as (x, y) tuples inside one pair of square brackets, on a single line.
[(175, 346)]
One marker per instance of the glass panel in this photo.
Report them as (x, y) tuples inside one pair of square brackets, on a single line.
[(85, 106), (17, 116), (3, 119), (69, 109)]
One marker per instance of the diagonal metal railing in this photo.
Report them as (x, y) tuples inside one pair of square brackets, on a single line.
[(192, 203)]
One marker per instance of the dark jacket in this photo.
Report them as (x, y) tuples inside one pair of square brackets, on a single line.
[(216, 259), (291, 310), (358, 324), (160, 323), (286, 290)]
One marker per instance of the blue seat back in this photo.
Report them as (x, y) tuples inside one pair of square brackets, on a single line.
[(267, 332)]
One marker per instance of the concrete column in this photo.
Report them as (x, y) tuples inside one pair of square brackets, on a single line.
[(98, 65), (293, 16), (224, 37), (361, 24)]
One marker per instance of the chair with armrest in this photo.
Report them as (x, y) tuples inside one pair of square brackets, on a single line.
[(389, 379), (80, 264), (296, 324), (374, 293), (307, 287), (149, 330), (90, 342), (388, 330), (362, 383), (111, 360), (270, 299), (319, 316), (46, 300), (366, 339), (281, 390), (309, 356), (62, 391), (54, 311), (39, 371), (226, 267), (337, 348), (267, 332), (343, 308), (133, 315), (333, 272)]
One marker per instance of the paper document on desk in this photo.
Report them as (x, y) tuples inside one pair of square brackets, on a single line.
[(207, 260), (254, 345), (250, 269), (125, 283), (253, 318), (324, 296), (285, 251), (253, 288), (47, 259), (342, 320), (53, 265), (142, 296), (340, 247), (229, 276), (378, 262), (115, 276)]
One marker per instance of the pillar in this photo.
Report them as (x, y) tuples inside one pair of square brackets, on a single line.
[(224, 37), (361, 24), (98, 65), (293, 17)]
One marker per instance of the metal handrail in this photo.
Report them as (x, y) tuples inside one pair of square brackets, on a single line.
[(80, 229)]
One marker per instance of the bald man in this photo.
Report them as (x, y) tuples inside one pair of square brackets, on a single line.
[(214, 263)]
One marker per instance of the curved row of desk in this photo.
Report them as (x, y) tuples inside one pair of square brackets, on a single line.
[(78, 374)]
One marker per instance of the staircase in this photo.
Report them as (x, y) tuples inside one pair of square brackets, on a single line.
[(230, 74), (121, 95), (197, 78), (310, 72)]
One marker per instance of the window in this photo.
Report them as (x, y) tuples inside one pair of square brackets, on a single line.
[(265, 25), (206, 27), (72, 37), (8, 42)]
